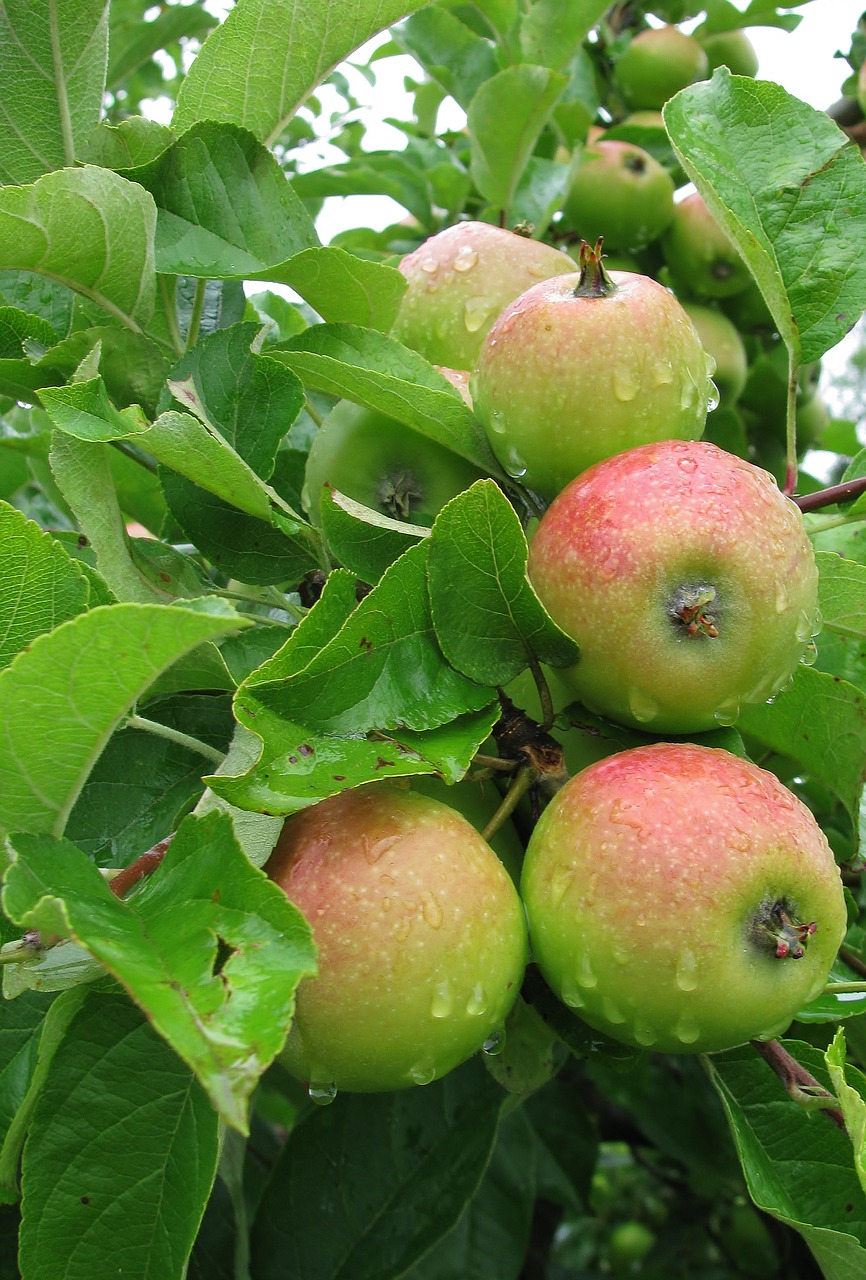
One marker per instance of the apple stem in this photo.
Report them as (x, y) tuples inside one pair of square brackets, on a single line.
[(144, 865), (788, 936), (594, 281), (799, 1084), (690, 607), (791, 432), (135, 721), (547, 711), (517, 789)]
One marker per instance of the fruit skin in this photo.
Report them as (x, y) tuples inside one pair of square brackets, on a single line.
[(647, 883), (383, 464), (731, 49), (656, 65), (687, 580), (563, 380), (458, 282), (722, 341), (699, 253), (420, 932), (619, 192)]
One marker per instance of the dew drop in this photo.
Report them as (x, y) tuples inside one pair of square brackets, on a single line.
[(586, 976), (686, 976), (514, 464), (572, 996), (804, 627), (560, 882), (475, 312), (712, 396), (494, 1043), (443, 1001), (643, 707), (687, 1029), (662, 373), (431, 910), (612, 1011), (810, 654), (644, 1033), (497, 422), (477, 1002), (689, 465), (607, 563), (783, 598), (422, 1072), (378, 850), (465, 259), (625, 384), (727, 713), (430, 266), (688, 393), (322, 1092)]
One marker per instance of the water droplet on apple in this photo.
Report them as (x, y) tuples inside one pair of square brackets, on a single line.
[(625, 384), (560, 881), (727, 713), (783, 597), (586, 976), (612, 1011), (689, 465), (686, 976), (431, 909), (642, 706), (422, 1072), (712, 396), (494, 1043), (477, 1002), (687, 1029), (644, 1033), (430, 266), (810, 654), (443, 1001), (497, 422), (606, 563), (322, 1092), (465, 259), (804, 627), (378, 850), (514, 464), (475, 312), (662, 373), (572, 996)]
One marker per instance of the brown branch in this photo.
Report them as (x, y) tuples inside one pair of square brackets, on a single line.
[(144, 865), (852, 960), (835, 493), (799, 1084)]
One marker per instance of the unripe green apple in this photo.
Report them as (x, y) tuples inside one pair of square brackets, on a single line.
[(458, 282), (585, 366), (657, 64), (680, 898), (699, 253), (731, 49), (721, 340), (687, 580), (383, 464), (619, 192), (420, 934)]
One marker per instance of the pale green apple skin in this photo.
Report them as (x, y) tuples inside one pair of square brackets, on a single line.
[(700, 254), (644, 882), (721, 340), (731, 49), (459, 280), (657, 64), (616, 551), (563, 381), (619, 192), (421, 939)]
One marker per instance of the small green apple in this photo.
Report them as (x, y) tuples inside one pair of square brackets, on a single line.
[(657, 64), (584, 366), (721, 340), (619, 192), (420, 933), (459, 280), (680, 898), (699, 254), (731, 49), (687, 580)]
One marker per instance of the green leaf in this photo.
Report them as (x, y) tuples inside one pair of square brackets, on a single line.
[(89, 229), (83, 409), (225, 207), (797, 1165), (40, 585), (380, 373), (364, 541), (342, 287), (250, 398), (790, 191), (61, 700), (129, 143), (852, 1102), (452, 54), (53, 72), (390, 1174), (21, 1024), (842, 595), (552, 31), (506, 117), (63, 967), (83, 473), (488, 619), (383, 670), (820, 721), (376, 173), (133, 41), (121, 1155), (226, 1019), (257, 68), (256, 833)]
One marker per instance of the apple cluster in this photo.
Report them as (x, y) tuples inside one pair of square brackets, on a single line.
[(663, 878)]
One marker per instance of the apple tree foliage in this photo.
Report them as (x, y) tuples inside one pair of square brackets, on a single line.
[(184, 655)]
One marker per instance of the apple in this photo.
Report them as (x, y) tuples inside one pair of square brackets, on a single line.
[(700, 255), (458, 282), (657, 64), (721, 340), (584, 366), (680, 898), (731, 49), (420, 933), (383, 464), (477, 802), (619, 192), (687, 580)]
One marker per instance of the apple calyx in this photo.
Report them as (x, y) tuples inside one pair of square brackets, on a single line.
[(398, 493), (594, 281), (690, 609), (787, 935)]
